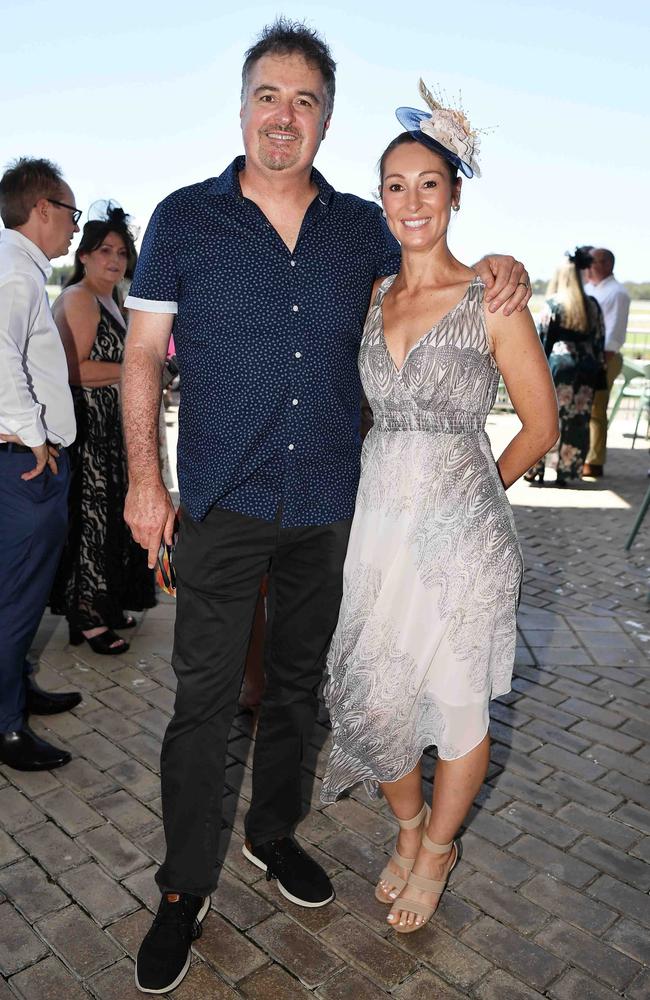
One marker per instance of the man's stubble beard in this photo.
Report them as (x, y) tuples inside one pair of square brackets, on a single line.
[(279, 160)]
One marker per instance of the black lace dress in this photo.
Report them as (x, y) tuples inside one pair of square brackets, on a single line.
[(102, 570)]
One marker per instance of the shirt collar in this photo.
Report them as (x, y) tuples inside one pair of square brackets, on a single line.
[(13, 237), (228, 182)]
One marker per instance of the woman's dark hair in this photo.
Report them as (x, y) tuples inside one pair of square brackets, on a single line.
[(403, 139), (284, 38), (93, 235), (23, 183), (581, 257)]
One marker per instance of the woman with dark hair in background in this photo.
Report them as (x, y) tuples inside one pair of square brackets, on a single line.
[(102, 570), (573, 336)]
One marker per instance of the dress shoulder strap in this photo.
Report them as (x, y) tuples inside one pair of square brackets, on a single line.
[(383, 288)]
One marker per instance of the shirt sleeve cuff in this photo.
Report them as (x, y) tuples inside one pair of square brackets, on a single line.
[(150, 305), (30, 430)]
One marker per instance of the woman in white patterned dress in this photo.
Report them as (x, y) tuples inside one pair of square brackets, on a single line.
[(426, 632)]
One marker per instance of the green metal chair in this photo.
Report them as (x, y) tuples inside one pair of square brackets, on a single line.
[(631, 372), (643, 408), (643, 510)]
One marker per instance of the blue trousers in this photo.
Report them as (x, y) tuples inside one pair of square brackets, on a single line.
[(33, 525)]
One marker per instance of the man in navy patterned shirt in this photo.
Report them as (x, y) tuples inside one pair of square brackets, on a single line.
[(265, 275)]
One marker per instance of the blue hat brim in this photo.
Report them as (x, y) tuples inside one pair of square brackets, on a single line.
[(410, 119)]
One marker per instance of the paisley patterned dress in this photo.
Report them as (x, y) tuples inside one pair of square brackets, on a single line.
[(427, 627)]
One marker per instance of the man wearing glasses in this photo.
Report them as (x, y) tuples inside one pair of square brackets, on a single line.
[(37, 424)]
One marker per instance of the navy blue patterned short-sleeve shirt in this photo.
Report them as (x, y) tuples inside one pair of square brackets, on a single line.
[(267, 343)]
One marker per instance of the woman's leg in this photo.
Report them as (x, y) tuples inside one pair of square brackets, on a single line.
[(405, 800), (455, 787)]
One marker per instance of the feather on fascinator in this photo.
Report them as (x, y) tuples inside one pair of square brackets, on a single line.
[(445, 130)]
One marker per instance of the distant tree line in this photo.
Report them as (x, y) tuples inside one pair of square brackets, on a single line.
[(60, 274), (637, 290)]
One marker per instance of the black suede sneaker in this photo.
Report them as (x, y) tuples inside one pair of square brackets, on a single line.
[(164, 956), (300, 878)]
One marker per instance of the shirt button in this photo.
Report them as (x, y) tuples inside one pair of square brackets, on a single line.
[(291, 447), (295, 308), (298, 354), (294, 402), (293, 263)]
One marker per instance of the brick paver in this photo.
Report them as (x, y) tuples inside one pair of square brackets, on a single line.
[(551, 897)]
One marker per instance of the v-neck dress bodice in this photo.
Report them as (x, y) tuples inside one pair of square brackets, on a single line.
[(448, 381), (427, 627)]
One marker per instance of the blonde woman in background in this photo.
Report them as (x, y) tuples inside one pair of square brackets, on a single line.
[(573, 336)]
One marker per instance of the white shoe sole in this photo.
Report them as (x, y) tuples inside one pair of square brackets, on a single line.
[(181, 975), (287, 895)]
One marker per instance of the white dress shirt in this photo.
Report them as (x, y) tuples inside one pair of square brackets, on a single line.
[(35, 399), (614, 300)]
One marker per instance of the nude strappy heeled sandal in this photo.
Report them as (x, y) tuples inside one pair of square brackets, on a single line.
[(388, 874), (434, 886)]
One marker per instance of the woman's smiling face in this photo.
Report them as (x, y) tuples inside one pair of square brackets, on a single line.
[(417, 193)]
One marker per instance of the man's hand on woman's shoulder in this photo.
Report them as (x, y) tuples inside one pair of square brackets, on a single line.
[(506, 282)]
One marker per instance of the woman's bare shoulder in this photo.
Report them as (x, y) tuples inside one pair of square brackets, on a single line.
[(76, 299)]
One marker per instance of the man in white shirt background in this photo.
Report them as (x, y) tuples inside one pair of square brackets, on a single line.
[(614, 300), (37, 424)]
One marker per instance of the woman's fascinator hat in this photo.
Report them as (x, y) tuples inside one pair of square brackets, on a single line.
[(444, 130), (109, 210), (580, 257)]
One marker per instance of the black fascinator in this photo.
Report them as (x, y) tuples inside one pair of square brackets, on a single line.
[(580, 257)]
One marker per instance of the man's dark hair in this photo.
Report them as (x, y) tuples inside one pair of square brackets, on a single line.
[(25, 181), (285, 37)]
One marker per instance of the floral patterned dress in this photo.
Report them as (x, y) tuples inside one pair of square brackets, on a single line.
[(577, 363), (427, 627)]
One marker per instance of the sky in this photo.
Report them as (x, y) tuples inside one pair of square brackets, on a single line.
[(136, 99)]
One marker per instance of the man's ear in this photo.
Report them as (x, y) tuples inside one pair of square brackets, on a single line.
[(326, 125), (42, 209)]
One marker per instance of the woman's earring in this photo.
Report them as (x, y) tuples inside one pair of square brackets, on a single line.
[(456, 207), (383, 213)]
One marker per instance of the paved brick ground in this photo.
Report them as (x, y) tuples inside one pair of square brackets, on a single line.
[(551, 898)]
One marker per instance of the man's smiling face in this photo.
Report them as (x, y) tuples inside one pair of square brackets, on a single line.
[(284, 115)]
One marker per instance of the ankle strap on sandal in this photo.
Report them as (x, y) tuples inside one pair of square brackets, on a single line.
[(436, 848), (412, 824)]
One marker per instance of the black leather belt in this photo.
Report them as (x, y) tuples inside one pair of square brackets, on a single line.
[(10, 446), (23, 449)]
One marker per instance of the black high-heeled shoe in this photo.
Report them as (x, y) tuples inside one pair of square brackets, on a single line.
[(101, 643), (535, 473)]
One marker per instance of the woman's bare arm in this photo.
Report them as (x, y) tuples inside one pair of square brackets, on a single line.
[(76, 313), (523, 365)]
